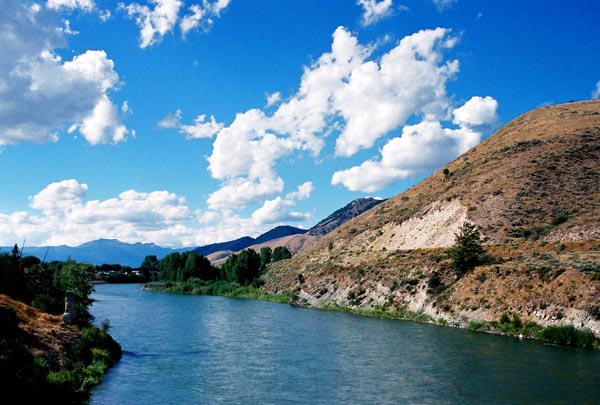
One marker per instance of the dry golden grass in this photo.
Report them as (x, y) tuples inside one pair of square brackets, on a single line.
[(533, 190)]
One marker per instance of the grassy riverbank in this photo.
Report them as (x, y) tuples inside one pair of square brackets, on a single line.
[(508, 325), (220, 288)]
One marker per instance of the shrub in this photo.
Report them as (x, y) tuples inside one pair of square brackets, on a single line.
[(569, 336)]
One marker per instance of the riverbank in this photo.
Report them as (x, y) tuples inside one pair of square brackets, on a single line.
[(509, 324), (44, 358)]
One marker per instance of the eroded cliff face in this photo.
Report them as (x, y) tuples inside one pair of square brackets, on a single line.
[(532, 191)]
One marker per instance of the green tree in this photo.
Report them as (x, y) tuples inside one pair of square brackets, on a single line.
[(149, 267), (248, 266), (170, 265), (280, 253), (265, 256), (467, 251), (78, 278)]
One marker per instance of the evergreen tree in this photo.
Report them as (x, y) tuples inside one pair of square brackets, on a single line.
[(468, 250)]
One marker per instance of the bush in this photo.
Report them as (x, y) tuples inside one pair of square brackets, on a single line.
[(569, 336)]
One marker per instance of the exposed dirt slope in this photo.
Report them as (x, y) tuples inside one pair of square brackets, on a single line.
[(532, 189), (45, 335)]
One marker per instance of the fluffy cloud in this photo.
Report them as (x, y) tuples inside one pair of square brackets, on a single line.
[(61, 214), (61, 196), (478, 114), (200, 129), (154, 23), (66, 217), (275, 211), (157, 21), (87, 5), (278, 210), (202, 16), (240, 192), (375, 10), (379, 97), (596, 92), (273, 99), (342, 93), (303, 192), (40, 93), (421, 148)]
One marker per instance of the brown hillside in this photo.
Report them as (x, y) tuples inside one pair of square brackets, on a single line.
[(293, 243), (542, 167), (45, 334), (532, 189)]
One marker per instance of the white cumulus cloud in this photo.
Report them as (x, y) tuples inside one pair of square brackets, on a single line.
[(276, 211), (202, 15), (156, 22), (87, 5), (40, 93), (65, 216), (202, 128), (375, 10), (355, 99), (479, 113), (303, 192), (159, 17), (422, 147)]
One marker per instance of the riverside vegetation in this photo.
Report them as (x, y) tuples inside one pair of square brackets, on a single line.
[(41, 356), (192, 273), (243, 274)]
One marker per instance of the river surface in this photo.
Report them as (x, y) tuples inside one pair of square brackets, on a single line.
[(184, 349)]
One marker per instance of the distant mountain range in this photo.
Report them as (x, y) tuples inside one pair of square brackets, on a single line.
[(101, 251), (343, 215), (112, 251), (247, 241)]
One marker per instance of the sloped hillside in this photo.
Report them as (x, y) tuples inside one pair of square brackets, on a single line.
[(533, 191), (42, 358)]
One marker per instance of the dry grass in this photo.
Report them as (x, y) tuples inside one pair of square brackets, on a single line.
[(533, 189)]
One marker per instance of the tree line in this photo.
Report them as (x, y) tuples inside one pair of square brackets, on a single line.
[(44, 285), (243, 268)]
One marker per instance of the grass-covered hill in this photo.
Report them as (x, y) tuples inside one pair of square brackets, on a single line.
[(533, 191)]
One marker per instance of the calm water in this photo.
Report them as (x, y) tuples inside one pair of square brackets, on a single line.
[(181, 349)]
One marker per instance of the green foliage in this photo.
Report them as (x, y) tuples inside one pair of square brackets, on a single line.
[(180, 267), (467, 251), (78, 278), (569, 336), (93, 339), (434, 284), (150, 267), (265, 256), (242, 268), (280, 253), (560, 219)]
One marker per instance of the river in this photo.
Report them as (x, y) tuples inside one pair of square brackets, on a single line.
[(184, 349)]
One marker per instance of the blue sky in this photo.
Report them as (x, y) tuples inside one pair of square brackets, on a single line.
[(188, 122)]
